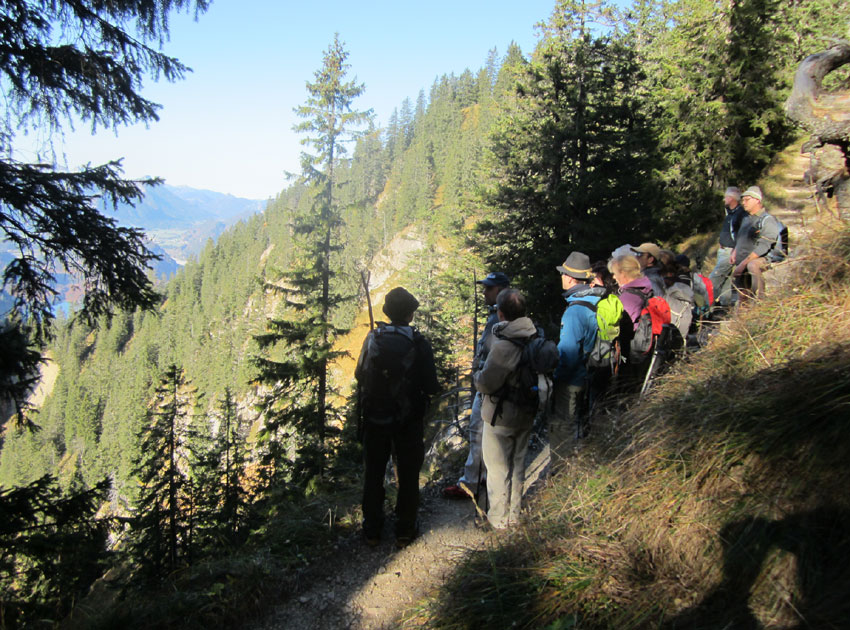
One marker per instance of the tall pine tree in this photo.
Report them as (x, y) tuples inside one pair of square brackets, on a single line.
[(302, 396), (160, 538)]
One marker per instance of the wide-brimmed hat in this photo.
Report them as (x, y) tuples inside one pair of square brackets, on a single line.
[(399, 304), (577, 265), (754, 192), (495, 279), (648, 248)]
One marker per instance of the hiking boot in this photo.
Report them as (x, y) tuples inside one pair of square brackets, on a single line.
[(403, 541), (454, 492)]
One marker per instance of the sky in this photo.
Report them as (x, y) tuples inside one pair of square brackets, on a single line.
[(227, 126)]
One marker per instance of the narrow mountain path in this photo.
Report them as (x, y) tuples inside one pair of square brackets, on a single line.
[(365, 588)]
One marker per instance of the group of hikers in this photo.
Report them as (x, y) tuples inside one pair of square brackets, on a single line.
[(622, 317)]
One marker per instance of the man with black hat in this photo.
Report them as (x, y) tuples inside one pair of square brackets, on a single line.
[(396, 375), (474, 472), (578, 334)]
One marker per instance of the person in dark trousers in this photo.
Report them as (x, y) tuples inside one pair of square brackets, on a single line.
[(721, 276), (474, 472), (578, 333), (396, 376)]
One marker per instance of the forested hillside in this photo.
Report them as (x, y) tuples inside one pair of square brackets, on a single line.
[(620, 126)]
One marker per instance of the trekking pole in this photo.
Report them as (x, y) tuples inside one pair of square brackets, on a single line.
[(661, 340), (648, 378), (475, 318), (365, 275)]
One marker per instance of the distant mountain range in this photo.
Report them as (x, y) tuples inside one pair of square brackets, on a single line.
[(181, 219), (178, 221)]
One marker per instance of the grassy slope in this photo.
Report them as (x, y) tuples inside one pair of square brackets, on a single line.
[(719, 502)]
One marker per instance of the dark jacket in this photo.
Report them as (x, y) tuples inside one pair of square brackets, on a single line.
[(421, 377), (731, 225)]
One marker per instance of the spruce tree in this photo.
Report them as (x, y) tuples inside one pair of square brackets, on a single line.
[(218, 473), (574, 157), (52, 548), (62, 62), (301, 395), (160, 538)]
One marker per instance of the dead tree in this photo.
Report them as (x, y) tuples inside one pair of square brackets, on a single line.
[(826, 114)]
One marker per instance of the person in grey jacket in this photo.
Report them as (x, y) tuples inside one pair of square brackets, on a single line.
[(756, 237), (507, 425), (474, 471)]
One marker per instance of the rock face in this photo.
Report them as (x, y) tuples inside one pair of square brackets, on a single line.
[(826, 114)]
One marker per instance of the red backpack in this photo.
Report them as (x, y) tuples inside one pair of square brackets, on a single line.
[(653, 315)]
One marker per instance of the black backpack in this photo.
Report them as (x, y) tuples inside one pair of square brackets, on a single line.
[(531, 381), (386, 378)]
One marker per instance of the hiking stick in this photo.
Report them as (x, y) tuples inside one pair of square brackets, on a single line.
[(649, 372), (475, 318), (365, 275)]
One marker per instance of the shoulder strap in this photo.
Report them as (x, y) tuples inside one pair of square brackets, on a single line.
[(404, 331), (643, 296), (584, 303)]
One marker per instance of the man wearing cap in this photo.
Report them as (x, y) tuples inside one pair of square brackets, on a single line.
[(474, 472), (756, 237), (396, 375), (649, 257), (578, 333), (721, 277)]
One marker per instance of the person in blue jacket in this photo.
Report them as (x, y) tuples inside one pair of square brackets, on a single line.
[(578, 334)]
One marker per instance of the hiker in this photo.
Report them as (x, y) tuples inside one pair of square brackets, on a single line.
[(635, 288), (721, 276), (601, 277), (474, 472), (649, 257), (578, 333), (679, 294), (702, 287), (507, 424), (757, 236), (396, 375)]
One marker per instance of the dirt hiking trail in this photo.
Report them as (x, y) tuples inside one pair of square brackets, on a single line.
[(365, 588)]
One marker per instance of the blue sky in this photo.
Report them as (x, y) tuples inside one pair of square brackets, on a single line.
[(228, 126)]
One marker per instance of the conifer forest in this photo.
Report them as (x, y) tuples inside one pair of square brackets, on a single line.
[(184, 417)]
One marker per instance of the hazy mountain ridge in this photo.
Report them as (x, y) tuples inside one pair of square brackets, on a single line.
[(166, 206), (181, 219), (178, 221)]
